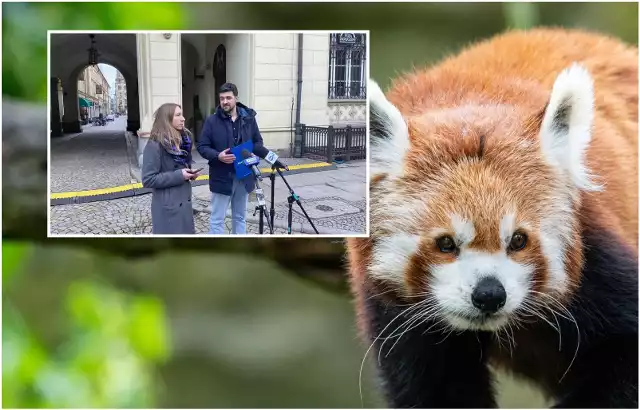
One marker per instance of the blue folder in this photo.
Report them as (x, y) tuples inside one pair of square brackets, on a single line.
[(242, 171)]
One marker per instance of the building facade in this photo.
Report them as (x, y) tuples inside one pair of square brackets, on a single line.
[(290, 79), (267, 68), (121, 95), (93, 93)]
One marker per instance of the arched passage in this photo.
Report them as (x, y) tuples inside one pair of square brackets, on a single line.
[(204, 69), (69, 57), (96, 88), (199, 75)]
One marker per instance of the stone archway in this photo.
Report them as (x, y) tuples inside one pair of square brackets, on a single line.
[(69, 56), (71, 100)]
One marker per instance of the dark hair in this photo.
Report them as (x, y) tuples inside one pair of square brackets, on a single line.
[(226, 87)]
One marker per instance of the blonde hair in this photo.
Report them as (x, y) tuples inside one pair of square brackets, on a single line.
[(163, 130)]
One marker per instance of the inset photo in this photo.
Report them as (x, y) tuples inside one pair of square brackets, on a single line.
[(208, 133)]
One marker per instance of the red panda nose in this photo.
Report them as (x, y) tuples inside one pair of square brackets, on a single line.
[(489, 295)]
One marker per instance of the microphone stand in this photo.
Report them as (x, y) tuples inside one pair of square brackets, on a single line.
[(272, 211), (293, 197), (262, 208)]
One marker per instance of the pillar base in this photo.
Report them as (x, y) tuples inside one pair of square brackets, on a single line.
[(133, 126), (71, 127), (143, 138), (56, 130)]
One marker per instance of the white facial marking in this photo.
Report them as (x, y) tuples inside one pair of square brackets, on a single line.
[(566, 127), (452, 285), (464, 229), (555, 233), (391, 255), (553, 249), (507, 227), (395, 212)]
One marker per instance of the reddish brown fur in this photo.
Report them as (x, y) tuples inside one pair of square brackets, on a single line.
[(517, 70), (533, 61)]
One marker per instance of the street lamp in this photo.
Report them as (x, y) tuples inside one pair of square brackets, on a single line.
[(93, 52)]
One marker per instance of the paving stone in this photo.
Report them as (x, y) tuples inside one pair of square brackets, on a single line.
[(95, 158), (335, 200)]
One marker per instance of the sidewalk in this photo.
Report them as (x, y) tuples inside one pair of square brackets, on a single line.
[(297, 164), (119, 176), (335, 201)]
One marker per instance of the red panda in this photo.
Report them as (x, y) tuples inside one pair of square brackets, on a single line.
[(504, 224)]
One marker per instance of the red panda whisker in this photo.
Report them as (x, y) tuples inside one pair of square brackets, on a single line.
[(526, 307), (572, 319), (421, 317), (426, 298), (379, 294), (402, 313), (421, 320), (375, 339), (451, 330), (360, 373), (512, 337), (427, 314)]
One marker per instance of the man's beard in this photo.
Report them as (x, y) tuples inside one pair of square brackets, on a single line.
[(227, 108)]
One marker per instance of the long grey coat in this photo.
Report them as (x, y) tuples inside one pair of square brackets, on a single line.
[(171, 208)]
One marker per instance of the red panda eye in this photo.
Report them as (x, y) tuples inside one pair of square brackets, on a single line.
[(446, 244), (518, 241)]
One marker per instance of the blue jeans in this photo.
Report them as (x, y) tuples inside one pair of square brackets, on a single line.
[(219, 204)]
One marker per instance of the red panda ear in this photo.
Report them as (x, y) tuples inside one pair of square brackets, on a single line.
[(565, 130), (388, 133)]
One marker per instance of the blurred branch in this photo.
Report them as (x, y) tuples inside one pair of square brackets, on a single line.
[(24, 170), (24, 155), (521, 15)]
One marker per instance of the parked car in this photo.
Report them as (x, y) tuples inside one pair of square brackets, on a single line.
[(110, 117)]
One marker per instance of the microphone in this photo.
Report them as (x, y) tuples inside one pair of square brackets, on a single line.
[(272, 159), (251, 162)]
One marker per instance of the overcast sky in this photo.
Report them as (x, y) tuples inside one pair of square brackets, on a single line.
[(109, 73)]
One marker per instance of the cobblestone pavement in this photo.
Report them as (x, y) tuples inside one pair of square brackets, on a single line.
[(335, 200), (329, 215), (126, 216), (95, 158)]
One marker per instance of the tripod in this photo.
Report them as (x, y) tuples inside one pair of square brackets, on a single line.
[(293, 197), (262, 209)]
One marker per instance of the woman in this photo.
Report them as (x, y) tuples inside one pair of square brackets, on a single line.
[(166, 168)]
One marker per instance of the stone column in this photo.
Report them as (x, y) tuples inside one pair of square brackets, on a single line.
[(56, 112), (159, 78), (132, 102), (71, 123)]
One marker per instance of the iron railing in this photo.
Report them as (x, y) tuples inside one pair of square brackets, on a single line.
[(334, 144)]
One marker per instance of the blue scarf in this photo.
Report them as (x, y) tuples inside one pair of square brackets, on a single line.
[(182, 154)]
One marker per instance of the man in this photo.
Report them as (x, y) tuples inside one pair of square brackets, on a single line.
[(232, 124)]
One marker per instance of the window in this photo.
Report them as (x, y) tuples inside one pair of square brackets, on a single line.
[(347, 63), (81, 76)]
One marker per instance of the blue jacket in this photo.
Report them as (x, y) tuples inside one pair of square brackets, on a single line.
[(217, 135)]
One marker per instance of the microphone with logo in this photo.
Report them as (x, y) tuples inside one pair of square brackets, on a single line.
[(251, 162), (272, 159)]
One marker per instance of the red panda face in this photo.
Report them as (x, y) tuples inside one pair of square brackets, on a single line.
[(472, 208)]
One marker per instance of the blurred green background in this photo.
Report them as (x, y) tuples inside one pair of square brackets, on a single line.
[(83, 328)]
